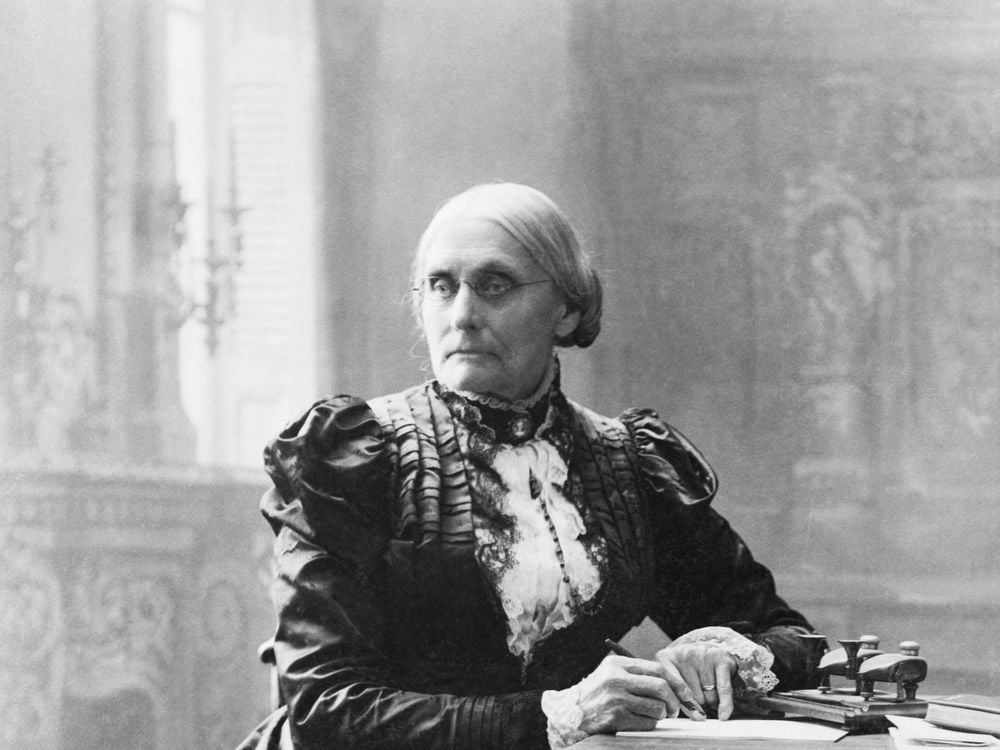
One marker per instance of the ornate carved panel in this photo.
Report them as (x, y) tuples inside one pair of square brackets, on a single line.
[(945, 127), (226, 622), (831, 278), (31, 660), (847, 153), (954, 307), (131, 608)]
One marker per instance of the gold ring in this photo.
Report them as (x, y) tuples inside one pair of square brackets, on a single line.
[(707, 688)]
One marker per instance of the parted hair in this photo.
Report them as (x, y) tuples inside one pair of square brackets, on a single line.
[(544, 231)]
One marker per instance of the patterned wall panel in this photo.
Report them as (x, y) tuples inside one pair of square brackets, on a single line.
[(31, 629), (804, 205), (953, 406), (131, 607)]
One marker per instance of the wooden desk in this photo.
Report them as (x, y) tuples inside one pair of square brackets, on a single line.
[(850, 742)]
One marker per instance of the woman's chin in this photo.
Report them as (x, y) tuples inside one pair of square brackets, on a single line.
[(471, 385), (462, 377)]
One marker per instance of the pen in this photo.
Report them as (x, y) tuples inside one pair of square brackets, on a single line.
[(617, 648)]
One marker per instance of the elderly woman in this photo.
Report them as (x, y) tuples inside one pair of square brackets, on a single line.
[(451, 559)]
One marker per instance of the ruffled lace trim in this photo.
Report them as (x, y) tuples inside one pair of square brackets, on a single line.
[(524, 404), (564, 715), (753, 660)]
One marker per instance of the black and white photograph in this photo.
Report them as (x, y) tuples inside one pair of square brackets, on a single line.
[(499, 374)]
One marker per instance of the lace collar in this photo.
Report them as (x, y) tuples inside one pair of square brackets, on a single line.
[(504, 421), (523, 405)]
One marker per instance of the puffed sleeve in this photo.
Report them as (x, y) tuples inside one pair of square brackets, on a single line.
[(705, 575), (328, 507)]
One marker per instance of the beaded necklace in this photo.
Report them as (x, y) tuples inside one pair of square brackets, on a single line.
[(536, 494)]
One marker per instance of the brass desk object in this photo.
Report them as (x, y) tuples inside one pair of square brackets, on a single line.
[(858, 706)]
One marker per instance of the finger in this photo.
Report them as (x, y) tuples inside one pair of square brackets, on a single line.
[(693, 711), (688, 693), (635, 722), (685, 698), (667, 675), (660, 688), (651, 708), (724, 686), (655, 689), (694, 682), (615, 716), (649, 686), (711, 698), (648, 667), (654, 679), (708, 688)]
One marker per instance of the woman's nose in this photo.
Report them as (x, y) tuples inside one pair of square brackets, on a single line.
[(465, 312)]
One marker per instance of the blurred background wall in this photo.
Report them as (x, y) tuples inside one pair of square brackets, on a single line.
[(209, 208)]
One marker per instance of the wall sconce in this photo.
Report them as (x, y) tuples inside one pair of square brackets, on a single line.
[(209, 299), (22, 309), (24, 214), (26, 323), (24, 298)]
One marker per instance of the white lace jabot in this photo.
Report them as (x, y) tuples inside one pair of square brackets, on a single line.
[(539, 595)]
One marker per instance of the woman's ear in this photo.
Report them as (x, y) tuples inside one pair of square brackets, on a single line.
[(567, 323)]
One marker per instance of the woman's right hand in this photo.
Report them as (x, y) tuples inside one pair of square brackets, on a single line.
[(625, 693)]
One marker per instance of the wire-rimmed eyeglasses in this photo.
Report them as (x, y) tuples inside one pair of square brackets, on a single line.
[(489, 287)]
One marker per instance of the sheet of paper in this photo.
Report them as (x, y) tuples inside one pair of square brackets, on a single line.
[(912, 732), (759, 729)]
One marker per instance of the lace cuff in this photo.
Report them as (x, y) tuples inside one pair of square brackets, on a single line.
[(753, 661), (562, 709)]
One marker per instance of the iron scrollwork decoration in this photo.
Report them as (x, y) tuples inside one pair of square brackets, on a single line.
[(44, 374), (24, 302), (210, 297)]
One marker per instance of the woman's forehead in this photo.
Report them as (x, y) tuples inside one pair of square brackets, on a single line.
[(471, 244)]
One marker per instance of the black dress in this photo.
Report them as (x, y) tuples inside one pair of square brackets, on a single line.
[(389, 634)]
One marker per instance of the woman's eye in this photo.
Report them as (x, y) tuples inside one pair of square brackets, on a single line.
[(493, 286), (439, 287)]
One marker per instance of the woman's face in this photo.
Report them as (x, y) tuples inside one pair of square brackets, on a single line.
[(498, 340)]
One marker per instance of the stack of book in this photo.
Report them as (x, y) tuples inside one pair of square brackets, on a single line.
[(967, 712), (969, 721)]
